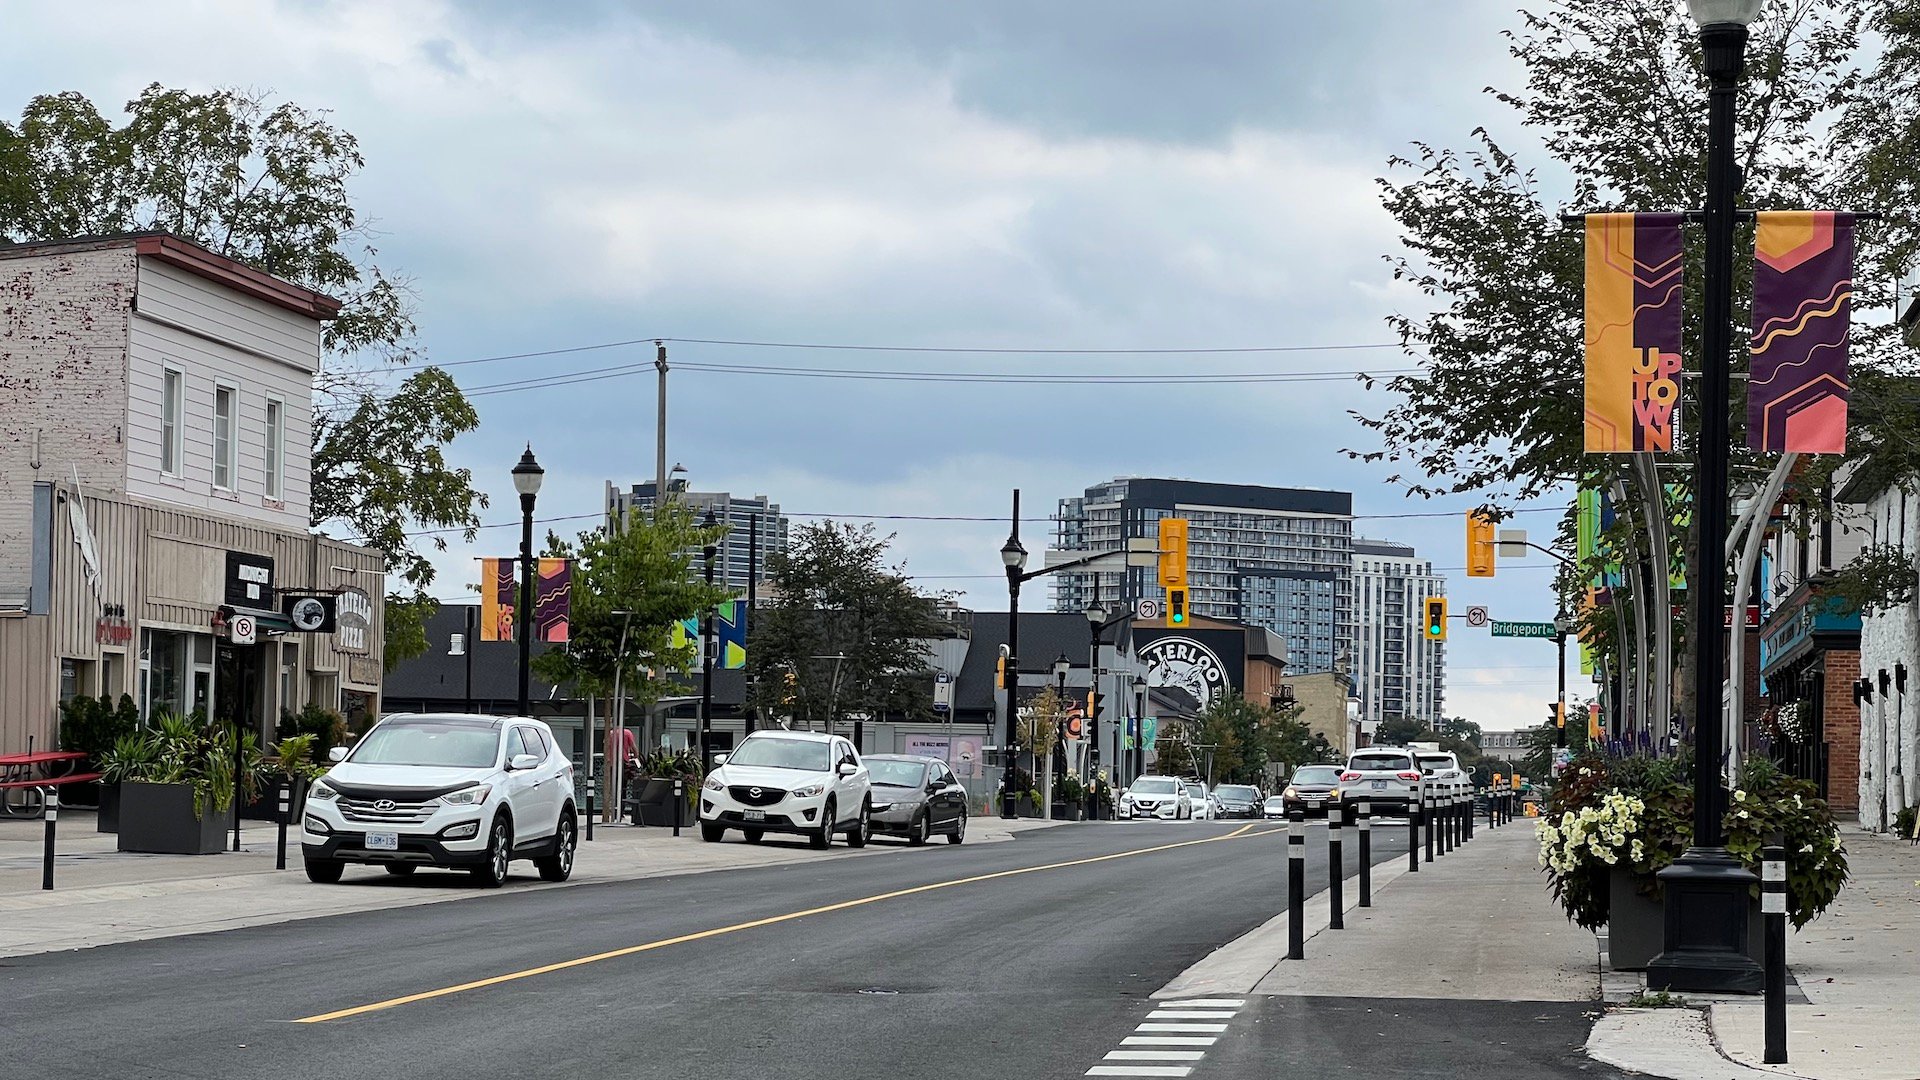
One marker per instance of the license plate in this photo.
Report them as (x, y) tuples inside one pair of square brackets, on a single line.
[(1313, 802), (753, 815), (383, 841), (1379, 785)]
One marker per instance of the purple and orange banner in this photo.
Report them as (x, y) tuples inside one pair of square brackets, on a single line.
[(1633, 331), (500, 599), (1802, 302)]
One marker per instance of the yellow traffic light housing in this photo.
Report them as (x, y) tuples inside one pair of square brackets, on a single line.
[(1480, 544), (1436, 624), (1177, 606), (1173, 553)]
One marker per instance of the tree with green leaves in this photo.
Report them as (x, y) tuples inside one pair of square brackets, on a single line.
[(635, 582), (267, 185), (844, 632)]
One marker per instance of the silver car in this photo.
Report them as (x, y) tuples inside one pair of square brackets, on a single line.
[(1386, 776), (916, 797)]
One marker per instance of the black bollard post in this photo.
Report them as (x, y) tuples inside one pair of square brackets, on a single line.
[(1466, 809), (1366, 855), (1296, 885), (286, 812), (591, 811), (53, 818), (1773, 908), (1426, 816), (679, 803), (1336, 872), (1413, 834)]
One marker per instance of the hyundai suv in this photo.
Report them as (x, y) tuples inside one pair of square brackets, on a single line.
[(447, 790), (1386, 776), (792, 782)]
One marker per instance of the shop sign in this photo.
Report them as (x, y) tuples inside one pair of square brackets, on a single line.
[(353, 614), (363, 671), (250, 581), (112, 627), (1187, 664)]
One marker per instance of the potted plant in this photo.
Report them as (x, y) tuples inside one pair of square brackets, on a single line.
[(1069, 799), (130, 756), (174, 800), (93, 726), (649, 788), (291, 763)]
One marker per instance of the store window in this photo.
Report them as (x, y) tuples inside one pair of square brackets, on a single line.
[(166, 662)]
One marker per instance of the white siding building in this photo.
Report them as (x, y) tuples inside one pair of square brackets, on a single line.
[(1889, 668), (1397, 672), (155, 424)]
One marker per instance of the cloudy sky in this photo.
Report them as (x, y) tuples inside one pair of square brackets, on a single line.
[(1078, 174)]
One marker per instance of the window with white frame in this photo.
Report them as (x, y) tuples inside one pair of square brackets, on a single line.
[(172, 391), (276, 440), (223, 409)]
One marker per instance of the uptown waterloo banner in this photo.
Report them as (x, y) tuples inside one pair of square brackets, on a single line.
[(1632, 331), (500, 599), (1802, 302)]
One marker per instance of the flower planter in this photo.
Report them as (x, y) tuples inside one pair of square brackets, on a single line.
[(159, 819), (107, 819), (1637, 925), (1066, 812)]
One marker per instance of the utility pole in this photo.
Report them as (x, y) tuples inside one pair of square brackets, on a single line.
[(753, 581), (660, 431)]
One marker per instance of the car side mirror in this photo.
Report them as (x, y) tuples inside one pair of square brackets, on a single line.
[(848, 768), (523, 762), (336, 754), (719, 760)]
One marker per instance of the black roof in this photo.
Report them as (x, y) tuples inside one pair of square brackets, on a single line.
[(1044, 635)]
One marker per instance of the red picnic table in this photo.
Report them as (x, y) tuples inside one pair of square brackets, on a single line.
[(26, 778)]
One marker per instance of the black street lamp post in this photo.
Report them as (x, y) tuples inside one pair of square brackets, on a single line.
[(1014, 556), (706, 654), (1139, 762), (1061, 667), (1706, 890), (1561, 627), (526, 480)]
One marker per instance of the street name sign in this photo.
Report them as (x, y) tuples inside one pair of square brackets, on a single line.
[(1522, 629)]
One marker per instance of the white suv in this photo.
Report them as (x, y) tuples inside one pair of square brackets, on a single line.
[(451, 790), (1157, 797), (789, 781)]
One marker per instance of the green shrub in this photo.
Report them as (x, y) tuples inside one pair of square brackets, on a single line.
[(94, 725), (328, 728)]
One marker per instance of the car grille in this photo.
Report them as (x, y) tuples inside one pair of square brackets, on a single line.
[(749, 795), (384, 811)]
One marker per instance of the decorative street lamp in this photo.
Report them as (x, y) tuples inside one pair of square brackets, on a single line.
[(707, 553), (1139, 727), (1707, 889), (1014, 557), (1562, 626), (526, 481)]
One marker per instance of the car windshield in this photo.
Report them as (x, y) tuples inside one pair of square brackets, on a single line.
[(1231, 791), (1317, 774), (1155, 785), (1438, 764), (1380, 763), (1276, 800), (897, 773), (776, 753), (446, 744), (1197, 791)]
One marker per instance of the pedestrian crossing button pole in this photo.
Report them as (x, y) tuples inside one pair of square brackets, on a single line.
[(1336, 871), (1773, 908), (1366, 855), (1296, 885)]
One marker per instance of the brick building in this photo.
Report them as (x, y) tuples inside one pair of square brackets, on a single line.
[(155, 414)]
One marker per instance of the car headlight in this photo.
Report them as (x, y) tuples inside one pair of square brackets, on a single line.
[(809, 791), (470, 796), (713, 784), (1290, 793), (880, 806), (321, 791)]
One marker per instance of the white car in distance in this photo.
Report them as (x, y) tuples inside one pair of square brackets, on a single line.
[(1156, 797), (803, 782), (1202, 800)]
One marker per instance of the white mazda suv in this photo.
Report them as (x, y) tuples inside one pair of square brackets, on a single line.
[(801, 782), (446, 790)]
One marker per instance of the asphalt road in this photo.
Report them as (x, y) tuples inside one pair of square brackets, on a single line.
[(1022, 959)]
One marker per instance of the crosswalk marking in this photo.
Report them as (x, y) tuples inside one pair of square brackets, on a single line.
[(1155, 1055), (1190, 1028), (1195, 1023), (1205, 1003), (1169, 1040), (1189, 1014), (1140, 1070)]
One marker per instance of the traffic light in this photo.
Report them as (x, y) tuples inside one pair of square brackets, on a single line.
[(1173, 553), (1436, 609), (1480, 544), (1177, 606)]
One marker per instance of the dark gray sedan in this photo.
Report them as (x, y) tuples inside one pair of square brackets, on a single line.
[(916, 797)]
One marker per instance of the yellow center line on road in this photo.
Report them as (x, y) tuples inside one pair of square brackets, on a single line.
[(546, 969)]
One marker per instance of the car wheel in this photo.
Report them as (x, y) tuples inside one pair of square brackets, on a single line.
[(325, 871), (857, 836), (566, 839), (712, 831), (493, 873), (917, 832), (400, 869), (753, 835), (959, 833), (822, 838)]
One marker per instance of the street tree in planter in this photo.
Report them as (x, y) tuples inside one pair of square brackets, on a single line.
[(177, 784)]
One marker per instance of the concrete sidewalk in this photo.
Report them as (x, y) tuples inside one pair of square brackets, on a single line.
[(102, 896)]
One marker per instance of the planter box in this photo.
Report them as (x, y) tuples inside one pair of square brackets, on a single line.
[(1637, 925), (653, 804), (108, 819), (158, 819), (1066, 812), (267, 806)]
